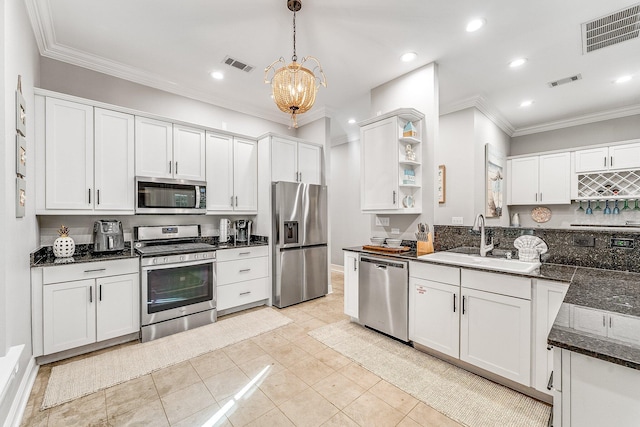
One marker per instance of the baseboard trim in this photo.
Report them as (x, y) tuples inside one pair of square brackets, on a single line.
[(14, 418), (337, 268)]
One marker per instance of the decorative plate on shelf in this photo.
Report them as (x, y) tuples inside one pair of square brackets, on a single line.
[(407, 202), (541, 214)]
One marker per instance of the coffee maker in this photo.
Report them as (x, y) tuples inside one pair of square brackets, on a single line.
[(243, 228), (108, 236)]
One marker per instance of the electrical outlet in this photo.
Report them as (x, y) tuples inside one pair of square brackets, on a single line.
[(456, 220), (395, 231), (382, 221)]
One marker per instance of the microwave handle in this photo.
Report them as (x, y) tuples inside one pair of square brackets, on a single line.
[(197, 193)]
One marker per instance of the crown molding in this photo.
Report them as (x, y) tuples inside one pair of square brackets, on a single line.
[(485, 108), (616, 113)]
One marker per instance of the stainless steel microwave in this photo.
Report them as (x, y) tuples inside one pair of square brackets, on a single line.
[(170, 196)]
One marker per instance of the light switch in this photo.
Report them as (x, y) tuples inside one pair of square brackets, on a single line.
[(395, 231)]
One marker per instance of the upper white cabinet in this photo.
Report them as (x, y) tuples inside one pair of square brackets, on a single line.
[(295, 161), (540, 179), (165, 150), (232, 174), (88, 159), (391, 172), (615, 157)]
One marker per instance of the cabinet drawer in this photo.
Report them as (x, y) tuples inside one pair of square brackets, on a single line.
[(436, 273), (237, 294), (89, 270), (241, 270), (503, 284), (242, 253)]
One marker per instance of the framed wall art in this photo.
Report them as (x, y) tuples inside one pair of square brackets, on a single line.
[(21, 156), (442, 184), (494, 180), (21, 114), (21, 197)]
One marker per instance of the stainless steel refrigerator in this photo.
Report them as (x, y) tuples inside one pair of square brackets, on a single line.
[(300, 259)]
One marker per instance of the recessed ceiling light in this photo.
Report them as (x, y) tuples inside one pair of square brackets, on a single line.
[(475, 25), (623, 79), (526, 103), (217, 75), (408, 57), (351, 121), (517, 62)]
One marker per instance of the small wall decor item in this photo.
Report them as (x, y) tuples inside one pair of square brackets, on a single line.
[(442, 184), (409, 153), (409, 130), (21, 197), (63, 246), (409, 177), (21, 110), (21, 156), (494, 175)]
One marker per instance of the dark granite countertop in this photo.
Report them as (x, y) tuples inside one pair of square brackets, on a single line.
[(610, 291)]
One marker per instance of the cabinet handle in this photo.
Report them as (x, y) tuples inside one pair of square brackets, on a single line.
[(89, 196), (610, 322), (463, 307), (245, 293), (536, 197), (355, 264), (550, 383), (90, 294), (236, 201), (169, 166), (603, 321), (541, 196), (611, 161), (300, 176), (95, 270), (100, 293), (605, 161), (98, 196), (244, 270), (394, 197), (244, 253), (454, 303), (176, 168), (231, 201)]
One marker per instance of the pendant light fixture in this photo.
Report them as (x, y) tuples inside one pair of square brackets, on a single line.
[(294, 87)]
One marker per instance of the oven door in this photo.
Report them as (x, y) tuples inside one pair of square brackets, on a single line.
[(175, 290)]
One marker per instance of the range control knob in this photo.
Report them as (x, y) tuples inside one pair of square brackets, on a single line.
[(155, 260), (181, 257), (205, 255), (195, 256), (165, 260)]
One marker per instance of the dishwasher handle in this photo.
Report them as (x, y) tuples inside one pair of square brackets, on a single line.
[(383, 263)]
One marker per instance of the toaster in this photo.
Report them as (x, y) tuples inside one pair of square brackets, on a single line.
[(108, 235)]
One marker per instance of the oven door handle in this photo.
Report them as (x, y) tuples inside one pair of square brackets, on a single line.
[(177, 264)]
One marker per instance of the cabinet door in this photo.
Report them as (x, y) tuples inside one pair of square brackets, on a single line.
[(379, 165), (284, 159), (593, 159), (434, 317), (624, 328), (309, 163), (154, 148), (624, 156), (495, 334), (523, 181), (69, 155), (69, 315), (555, 179), (245, 175), (219, 172), (114, 161), (118, 309), (351, 284), (548, 300), (588, 320), (188, 153)]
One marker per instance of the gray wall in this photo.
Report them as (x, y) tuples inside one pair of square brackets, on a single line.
[(621, 129)]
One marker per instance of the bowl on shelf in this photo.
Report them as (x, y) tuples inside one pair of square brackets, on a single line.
[(394, 243), (377, 241)]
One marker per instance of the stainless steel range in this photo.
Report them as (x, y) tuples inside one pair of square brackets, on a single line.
[(178, 280)]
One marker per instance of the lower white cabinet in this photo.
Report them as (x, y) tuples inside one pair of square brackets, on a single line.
[(351, 265), (88, 303), (242, 276)]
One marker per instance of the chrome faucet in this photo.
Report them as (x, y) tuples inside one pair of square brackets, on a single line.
[(478, 225)]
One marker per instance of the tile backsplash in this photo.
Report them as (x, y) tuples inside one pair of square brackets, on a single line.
[(564, 245)]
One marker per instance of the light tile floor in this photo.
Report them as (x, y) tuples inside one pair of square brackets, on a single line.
[(306, 384)]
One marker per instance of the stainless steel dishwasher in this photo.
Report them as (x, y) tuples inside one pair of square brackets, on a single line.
[(383, 295)]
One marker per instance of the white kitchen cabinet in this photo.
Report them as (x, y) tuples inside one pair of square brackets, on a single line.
[(68, 155), (189, 153), (548, 297), (540, 179), (495, 324), (351, 265), (114, 161), (607, 324), (615, 157), (232, 174), (242, 277), (89, 159), (165, 150), (85, 303), (295, 161), (385, 188), (434, 315)]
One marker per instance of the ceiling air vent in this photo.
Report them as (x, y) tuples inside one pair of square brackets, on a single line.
[(238, 64), (565, 80), (611, 29)]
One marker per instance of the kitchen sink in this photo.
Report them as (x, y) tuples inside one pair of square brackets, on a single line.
[(496, 264)]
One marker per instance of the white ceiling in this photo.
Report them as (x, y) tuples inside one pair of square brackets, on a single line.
[(175, 44)]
